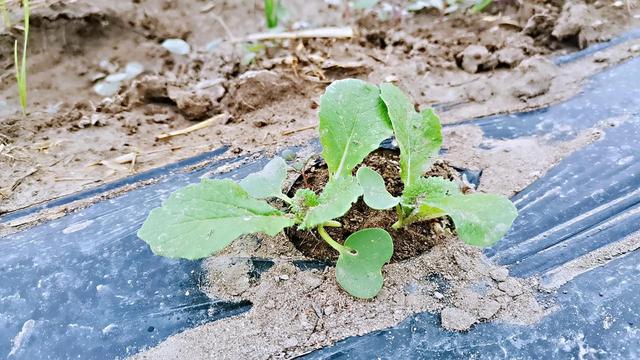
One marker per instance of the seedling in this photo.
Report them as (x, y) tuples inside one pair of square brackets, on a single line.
[(355, 117), (21, 66), (274, 12), (479, 219), (202, 219)]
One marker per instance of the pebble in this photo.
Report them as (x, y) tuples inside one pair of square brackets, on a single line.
[(290, 342), (488, 309), (473, 57), (270, 304), (510, 56), (499, 274), (455, 319), (177, 46), (328, 310), (438, 295), (310, 280), (512, 287), (600, 57)]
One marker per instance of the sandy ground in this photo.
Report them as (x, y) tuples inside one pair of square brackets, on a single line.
[(73, 139), (467, 65)]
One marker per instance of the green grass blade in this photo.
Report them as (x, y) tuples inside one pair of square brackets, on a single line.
[(21, 66), (480, 6), (271, 13)]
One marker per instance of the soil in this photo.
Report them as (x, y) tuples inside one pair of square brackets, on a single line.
[(74, 139), (464, 64), (407, 243)]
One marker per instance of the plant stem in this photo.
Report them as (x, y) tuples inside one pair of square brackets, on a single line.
[(415, 218), (332, 223), (400, 213), (285, 198), (334, 244), (397, 225)]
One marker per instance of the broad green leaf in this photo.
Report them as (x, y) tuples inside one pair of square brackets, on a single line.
[(360, 274), (428, 188), (353, 123), (419, 135), (267, 182), (375, 192), (201, 219), (334, 201), (480, 219)]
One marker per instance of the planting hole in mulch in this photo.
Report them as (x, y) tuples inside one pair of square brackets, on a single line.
[(407, 243)]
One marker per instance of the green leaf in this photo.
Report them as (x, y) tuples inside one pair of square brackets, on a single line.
[(428, 187), (375, 192), (203, 218), (353, 123), (480, 5), (271, 13), (480, 219), (267, 182), (419, 135), (360, 274), (334, 201)]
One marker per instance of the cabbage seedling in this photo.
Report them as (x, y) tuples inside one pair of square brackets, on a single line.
[(480, 219), (355, 117), (202, 219)]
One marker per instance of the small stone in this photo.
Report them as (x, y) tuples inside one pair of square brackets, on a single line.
[(534, 77), (399, 298), (512, 287), (270, 304), (499, 274), (290, 342), (600, 57), (487, 309), (510, 56), (193, 105), (260, 123), (328, 310), (455, 319), (371, 315), (473, 57), (177, 46), (635, 48), (283, 277), (105, 88), (438, 295), (478, 91), (310, 280)]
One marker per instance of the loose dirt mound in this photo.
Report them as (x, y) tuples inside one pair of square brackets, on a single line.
[(407, 243), (73, 137)]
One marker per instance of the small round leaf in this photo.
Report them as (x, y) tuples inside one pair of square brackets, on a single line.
[(360, 274)]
